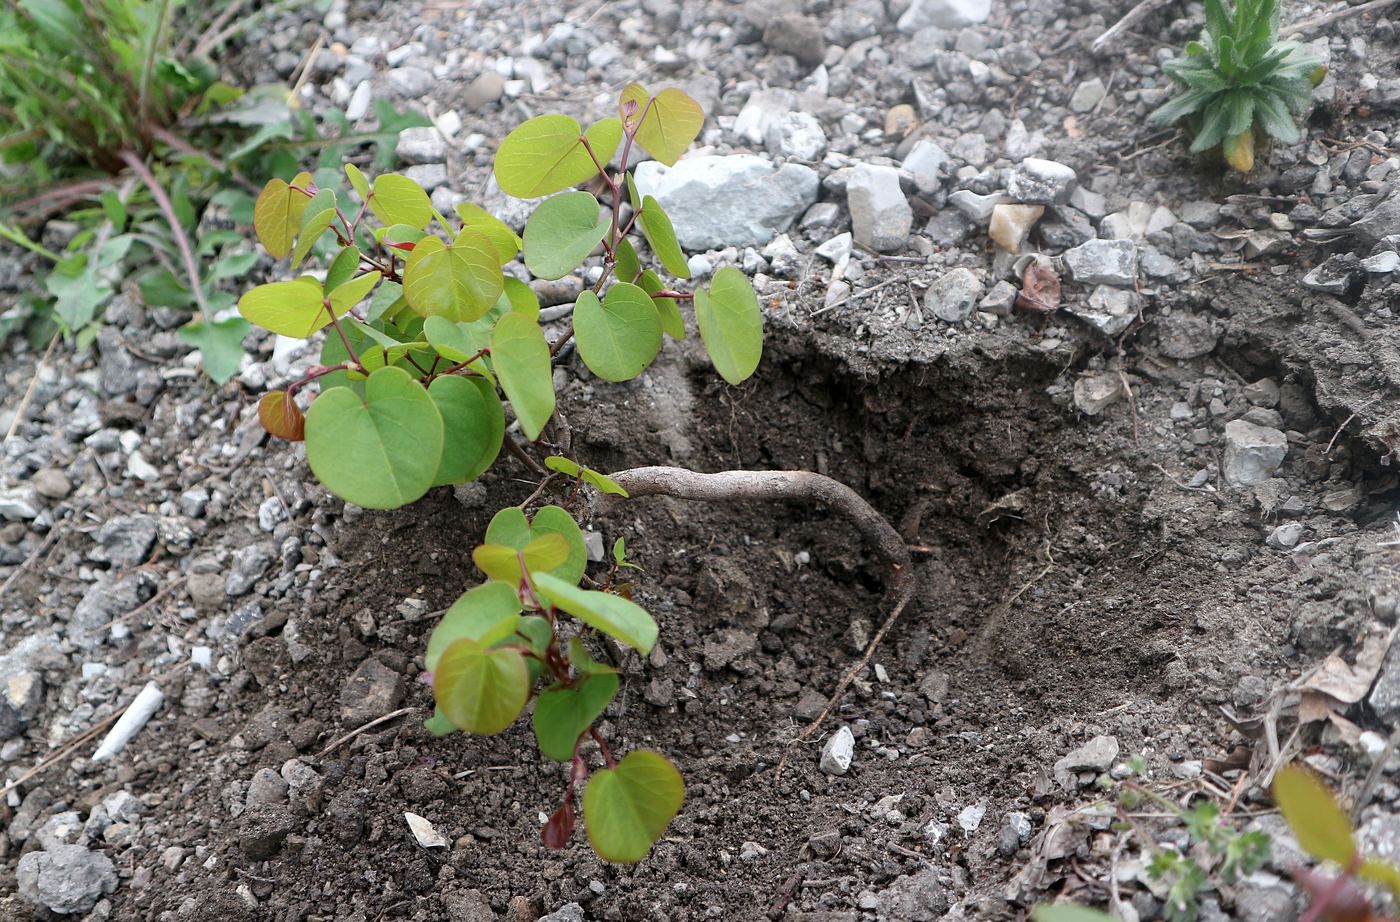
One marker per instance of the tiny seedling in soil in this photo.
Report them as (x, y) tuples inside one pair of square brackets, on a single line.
[(1322, 829), (428, 334), (1238, 77)]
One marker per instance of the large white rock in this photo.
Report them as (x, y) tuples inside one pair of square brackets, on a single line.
[(838, 752), (945, 14), (739, 200), (880, 214), (1252, 453)]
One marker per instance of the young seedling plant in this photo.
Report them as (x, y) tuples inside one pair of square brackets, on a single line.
[(427, 334), (1238, 77)]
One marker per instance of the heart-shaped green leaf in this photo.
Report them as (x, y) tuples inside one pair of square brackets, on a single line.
[(522, 361), (562, 232), (277, 214), (481, 690), (620, 336), (487, 614), (629, 266), (546, 155), (563, 714), (661, 237), (459, 282), (473, 426), (1069, 913), (478, 219), (311, 231), (627, 808), (357, 181), (504, 563), (669, 121), (342, 268), (347, 295), (583, 661), (382, 452), (509, 527), (220, 345), (731, 324), (399, 200), (612, 614), (520, 298), (295, 309)]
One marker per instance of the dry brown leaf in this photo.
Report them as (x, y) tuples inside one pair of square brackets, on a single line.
[(1040, 287), (1345, 682)]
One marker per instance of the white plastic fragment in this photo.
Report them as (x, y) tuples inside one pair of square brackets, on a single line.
[(423, 831), (146, 703), (202, 656)]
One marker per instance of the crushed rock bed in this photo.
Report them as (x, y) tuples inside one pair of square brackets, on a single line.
[(1137, 518)]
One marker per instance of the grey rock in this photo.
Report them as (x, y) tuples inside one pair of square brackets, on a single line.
[(796, 135), (840, 748), (360, 99), (784, 260), (880, 214), (51, 483), (22, 681), (1096, 756), (1334, 275), (800, 36), (304, 785), (421, 145), (249, 564), (467, 906), (19, 504), (60, 829), (206, 591), (66, 880), (371, 691), (193, 502), (1262, 393), (1041, 182), (271, 513), (945, 14), (1382, 263), (1087, 95), (977, 207), (1088, 201), (1109, 310), (431, 176), (1252, 453), (953, 297), (738, 200), (761, 109), (1201, 214), (483, 91), (927, 162), (1385, 693), (262, 830), (116, 370), (266, 787), (1000, 300), (917, 897), (410, 82), (104, 601), (1103, 262), (1186, 336), (125, 541), (1096, 393), (1285, 536), (1265, 897), (569, 912), (822, 214)]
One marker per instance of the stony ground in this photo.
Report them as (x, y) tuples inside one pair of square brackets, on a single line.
[(1158, 521)]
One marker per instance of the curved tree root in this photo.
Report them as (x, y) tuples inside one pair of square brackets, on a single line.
[(798, 487)]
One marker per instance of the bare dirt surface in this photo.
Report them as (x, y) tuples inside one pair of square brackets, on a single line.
[(1082, 575)]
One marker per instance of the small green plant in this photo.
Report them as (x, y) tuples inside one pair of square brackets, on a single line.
[(112, 115), (427, 333), (1239, 77), (1218, 854), (1324, 831)]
